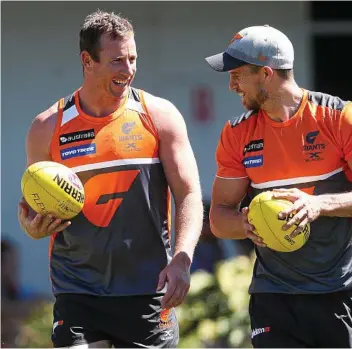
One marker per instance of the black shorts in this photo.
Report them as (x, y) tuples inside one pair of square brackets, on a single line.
[(301, 321), (126, 322)]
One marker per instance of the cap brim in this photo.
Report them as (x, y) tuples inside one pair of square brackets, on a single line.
[(223, 62)]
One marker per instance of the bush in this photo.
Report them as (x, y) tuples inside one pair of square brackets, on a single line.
[(215, 313), (35, 331)]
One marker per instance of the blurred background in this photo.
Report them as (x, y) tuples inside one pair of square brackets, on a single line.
[(40, 64)]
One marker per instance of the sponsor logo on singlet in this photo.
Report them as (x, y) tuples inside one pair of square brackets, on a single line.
[(78, 136), (252, 146), (81, 150), (253, 161)]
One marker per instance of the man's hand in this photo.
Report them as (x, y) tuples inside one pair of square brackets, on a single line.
[(306, 208), (250, 229), (178, 278), (38, 226)]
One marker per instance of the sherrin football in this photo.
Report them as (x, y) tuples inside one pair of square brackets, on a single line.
[(50, 187), (263, 214)]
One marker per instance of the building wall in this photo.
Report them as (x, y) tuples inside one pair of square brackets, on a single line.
[(40, 64)]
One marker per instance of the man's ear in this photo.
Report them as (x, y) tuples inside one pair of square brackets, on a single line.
[(86, 60)]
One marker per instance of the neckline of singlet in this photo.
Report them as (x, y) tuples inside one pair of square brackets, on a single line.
[(294, 118), (103, 119)]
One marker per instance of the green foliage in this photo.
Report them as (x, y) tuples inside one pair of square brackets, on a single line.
[(215, 313), (35, 331)]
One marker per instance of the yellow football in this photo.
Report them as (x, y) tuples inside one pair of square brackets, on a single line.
[(263, 214), (50, 187)]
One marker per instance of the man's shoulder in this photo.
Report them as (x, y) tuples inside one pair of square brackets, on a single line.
[(42, 127), (156, 104), (161, 109), (164, 114), (47, 118), (50, 114), (326, 100), (243, 119)]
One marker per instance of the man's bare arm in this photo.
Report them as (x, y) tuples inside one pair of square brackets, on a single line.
[(181, 171), (226, 220), (337, 205), (38, 149), (39, 136)]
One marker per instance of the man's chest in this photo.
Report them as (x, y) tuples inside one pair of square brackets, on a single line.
[(115, 141), (275, 155)]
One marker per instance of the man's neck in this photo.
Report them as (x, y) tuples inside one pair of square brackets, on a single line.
[(284, 104), (95, 103)]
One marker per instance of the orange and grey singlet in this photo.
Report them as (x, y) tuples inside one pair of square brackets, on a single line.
[(120, 241)]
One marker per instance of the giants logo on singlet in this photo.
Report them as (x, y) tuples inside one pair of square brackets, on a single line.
[(132, 138), (310, 139), (100, 208), (127, 127), (311, 148)]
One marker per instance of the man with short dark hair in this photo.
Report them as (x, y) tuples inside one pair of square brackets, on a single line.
[(115, 279)]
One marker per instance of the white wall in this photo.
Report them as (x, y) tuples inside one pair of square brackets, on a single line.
[(40, 64)]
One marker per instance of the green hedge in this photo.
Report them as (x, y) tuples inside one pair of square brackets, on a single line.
[(215, 313), (35, 331)]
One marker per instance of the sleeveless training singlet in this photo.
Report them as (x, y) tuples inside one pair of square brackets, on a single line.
[(120, 242), (309, 152)]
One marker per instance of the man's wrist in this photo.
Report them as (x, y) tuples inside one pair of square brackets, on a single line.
[(183, 258), (330, 204)]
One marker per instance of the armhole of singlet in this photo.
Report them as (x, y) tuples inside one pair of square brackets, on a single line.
[(155, 130), (147, 118), (60, 108)]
